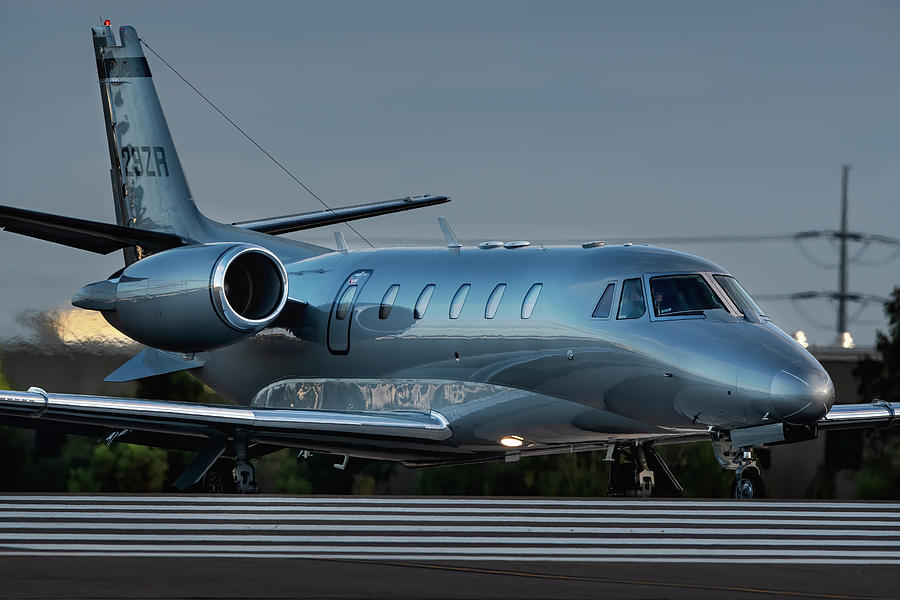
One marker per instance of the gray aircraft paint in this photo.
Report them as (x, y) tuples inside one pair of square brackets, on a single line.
[(417, 385)]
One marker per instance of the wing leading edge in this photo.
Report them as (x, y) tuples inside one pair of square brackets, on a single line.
[(208, 429), (186, 417)]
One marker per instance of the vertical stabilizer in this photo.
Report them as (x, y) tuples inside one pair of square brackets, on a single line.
[(149, 187)]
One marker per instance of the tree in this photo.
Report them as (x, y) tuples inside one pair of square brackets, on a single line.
[(879, 476)]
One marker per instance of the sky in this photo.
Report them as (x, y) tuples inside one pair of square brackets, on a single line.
[(544, 121)]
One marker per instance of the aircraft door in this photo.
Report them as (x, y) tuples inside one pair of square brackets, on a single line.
[(341, 316)]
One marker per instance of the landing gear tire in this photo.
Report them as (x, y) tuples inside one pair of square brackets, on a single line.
[(749, 484), (218, 479)]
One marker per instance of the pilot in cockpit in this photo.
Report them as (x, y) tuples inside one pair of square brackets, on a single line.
[(659, 302)]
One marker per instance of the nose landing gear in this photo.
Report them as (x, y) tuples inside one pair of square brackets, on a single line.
[(748, 481)]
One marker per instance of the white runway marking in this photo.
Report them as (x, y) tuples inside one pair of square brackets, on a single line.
[(451, 529), (449, 558), (443, 510), (406, 539), (300, 515), (179, 526), (386, 501)]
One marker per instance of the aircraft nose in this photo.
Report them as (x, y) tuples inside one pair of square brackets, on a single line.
[(801, 394)]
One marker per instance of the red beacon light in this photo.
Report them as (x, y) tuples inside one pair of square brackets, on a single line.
[(107, 23)]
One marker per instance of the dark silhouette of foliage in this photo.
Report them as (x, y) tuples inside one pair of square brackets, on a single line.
[(879, 477)]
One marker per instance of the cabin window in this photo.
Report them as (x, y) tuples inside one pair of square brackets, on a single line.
[(422, 302), (387, 302), (531, 299), (345, 303), (604, 304), (632, 305), (459, 298), (680, 295), (493, 302), (738, 295)]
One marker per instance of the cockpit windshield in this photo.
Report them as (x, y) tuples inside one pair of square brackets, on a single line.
[(738, 295), (682, 295)]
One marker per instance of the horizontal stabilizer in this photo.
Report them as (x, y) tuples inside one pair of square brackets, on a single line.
[(150, 361), (93, 236), (289, 223)]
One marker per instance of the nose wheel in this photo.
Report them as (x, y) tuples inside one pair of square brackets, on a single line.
[(748, 483)]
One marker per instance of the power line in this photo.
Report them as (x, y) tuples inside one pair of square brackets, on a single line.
[(842, 296)]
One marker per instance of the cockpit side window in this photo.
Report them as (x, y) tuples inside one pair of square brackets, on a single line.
[(676, 295), (632, 305), (738, 295), (604, 304)]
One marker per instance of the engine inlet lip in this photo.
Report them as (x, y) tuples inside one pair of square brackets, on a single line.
[(217, 288)]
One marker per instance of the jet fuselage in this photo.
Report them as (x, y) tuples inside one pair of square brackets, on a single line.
[(392, 329)]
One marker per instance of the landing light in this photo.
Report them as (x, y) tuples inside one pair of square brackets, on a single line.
[(511, 441), (847, 340), (800, 336)]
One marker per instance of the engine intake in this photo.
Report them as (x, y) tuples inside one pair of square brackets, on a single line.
[(193, 298), (248, 287)]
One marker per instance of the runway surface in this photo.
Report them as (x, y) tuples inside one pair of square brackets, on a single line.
[(708, 547)]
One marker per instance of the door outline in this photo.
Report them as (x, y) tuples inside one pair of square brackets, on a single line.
[(338, 334)]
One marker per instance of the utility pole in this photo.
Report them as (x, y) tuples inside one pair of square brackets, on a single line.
[(842, 268)]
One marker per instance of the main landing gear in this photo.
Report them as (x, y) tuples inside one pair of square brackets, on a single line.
[(748, 481), (227, 476), (638, 470), (214, 472), (244, 473)]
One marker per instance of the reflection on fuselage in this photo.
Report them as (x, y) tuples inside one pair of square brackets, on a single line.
[(699, 361)]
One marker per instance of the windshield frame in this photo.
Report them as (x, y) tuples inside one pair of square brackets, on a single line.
[(707, 276), (724, 292)]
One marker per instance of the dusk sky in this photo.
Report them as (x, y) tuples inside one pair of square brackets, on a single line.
[(544, 121)]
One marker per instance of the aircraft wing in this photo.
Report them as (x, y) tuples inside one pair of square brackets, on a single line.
[(206, 428), (855, 416)]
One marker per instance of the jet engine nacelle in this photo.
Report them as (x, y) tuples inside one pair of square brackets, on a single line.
[(193, 298)]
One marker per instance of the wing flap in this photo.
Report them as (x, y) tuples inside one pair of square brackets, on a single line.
[(92, 236), (187, 418)]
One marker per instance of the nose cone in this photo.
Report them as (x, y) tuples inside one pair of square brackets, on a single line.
[(801, 393)]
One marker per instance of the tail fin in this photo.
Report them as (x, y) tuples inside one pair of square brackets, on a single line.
[(149, 187)]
